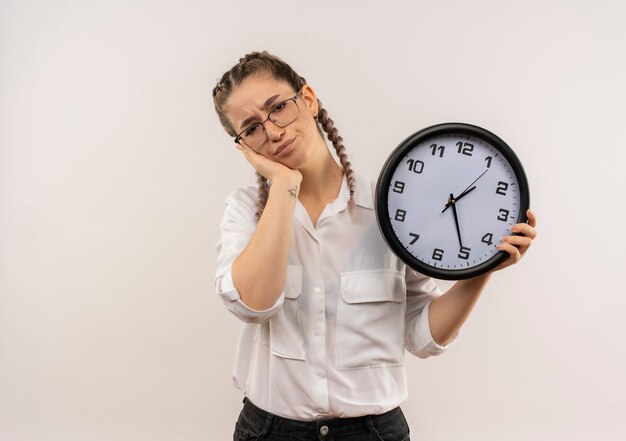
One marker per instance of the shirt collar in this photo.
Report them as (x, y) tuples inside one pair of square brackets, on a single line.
[(363, 192), (363, 197)]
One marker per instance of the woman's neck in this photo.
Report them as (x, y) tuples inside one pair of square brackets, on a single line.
[(321, 180)]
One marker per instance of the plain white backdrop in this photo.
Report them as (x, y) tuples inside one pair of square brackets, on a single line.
[(114, 170)]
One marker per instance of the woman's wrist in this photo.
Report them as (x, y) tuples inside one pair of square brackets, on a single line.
[(291, 181)]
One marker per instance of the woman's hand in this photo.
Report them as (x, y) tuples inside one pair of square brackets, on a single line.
[(517, 246), (272, 170)]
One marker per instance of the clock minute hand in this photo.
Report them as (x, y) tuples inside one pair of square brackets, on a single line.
[(456, 220)]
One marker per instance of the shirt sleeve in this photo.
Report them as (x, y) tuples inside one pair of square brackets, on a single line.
[(236, 229), (421, 290)]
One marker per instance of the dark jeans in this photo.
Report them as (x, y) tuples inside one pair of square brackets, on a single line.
[(256, 424)]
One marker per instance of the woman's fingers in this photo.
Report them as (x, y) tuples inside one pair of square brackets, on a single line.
[(249, 154), (514, 253), (532, 218), (266, 167), (527, 229), (518, 244), (521, 241)]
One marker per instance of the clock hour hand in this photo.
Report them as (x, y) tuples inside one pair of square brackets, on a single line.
[(452, 200), (456, 219), (467, 190)]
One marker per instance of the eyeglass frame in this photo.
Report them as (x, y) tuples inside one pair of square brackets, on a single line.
[(262, 123)]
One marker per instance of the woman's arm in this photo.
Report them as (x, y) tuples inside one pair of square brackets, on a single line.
[(449, 311), (260, 271)]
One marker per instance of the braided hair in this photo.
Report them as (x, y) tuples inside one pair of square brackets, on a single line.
[(263, 62)]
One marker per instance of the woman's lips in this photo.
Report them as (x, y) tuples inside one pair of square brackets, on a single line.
[(285, 149)]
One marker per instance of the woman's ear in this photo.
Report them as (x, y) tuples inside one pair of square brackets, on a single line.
[(308, 94)]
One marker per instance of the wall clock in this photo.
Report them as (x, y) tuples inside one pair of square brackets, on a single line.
[(445, 197)]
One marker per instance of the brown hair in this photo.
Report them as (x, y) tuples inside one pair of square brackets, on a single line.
[(263, 62)]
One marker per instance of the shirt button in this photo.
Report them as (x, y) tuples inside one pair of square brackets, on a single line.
[(317, 290), (320, 374), (324, 430)]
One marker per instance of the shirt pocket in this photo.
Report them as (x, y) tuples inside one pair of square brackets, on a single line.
[(370, 319), (285, 332)]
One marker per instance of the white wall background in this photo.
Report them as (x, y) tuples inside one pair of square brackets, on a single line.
[(114, 169)]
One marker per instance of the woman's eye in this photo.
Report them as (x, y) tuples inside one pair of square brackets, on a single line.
[(279, 107), (250, 130)]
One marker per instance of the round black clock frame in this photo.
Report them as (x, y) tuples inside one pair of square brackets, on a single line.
[(383, 187)]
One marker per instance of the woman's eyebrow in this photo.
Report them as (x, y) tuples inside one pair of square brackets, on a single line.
[(268, 102)]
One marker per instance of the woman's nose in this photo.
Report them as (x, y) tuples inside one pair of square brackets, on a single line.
[(274, 132)]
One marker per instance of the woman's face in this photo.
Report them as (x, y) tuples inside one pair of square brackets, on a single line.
[(251, 102)]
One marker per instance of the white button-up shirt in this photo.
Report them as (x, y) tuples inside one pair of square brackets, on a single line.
[(332, 345)]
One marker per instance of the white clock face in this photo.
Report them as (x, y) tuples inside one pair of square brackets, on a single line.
[(448, 173)]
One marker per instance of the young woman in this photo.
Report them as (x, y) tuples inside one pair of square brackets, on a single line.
[(327, 308)]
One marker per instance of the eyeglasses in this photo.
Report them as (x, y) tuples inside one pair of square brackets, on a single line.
[(282, 114)]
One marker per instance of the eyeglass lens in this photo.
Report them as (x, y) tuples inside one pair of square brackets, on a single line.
[(282, 115)]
